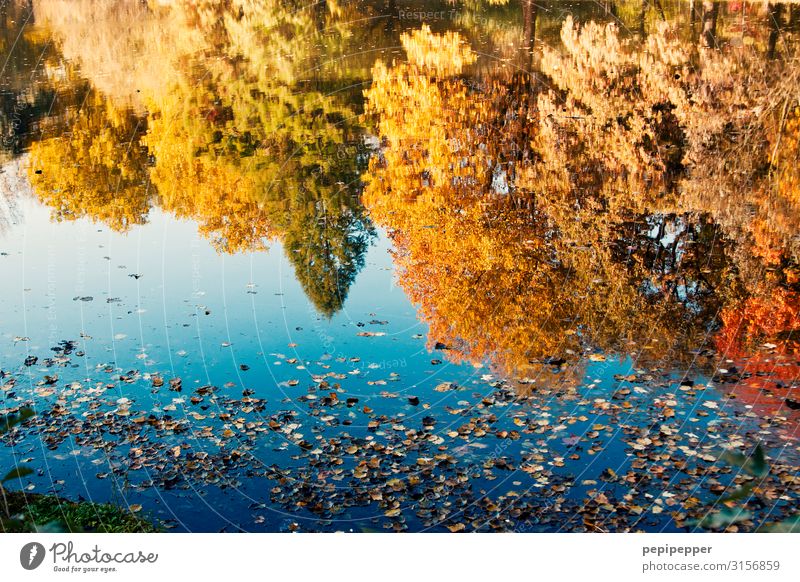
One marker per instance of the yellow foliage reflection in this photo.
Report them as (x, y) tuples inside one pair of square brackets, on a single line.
[(217, 118), (97, 168), (618, 187), (538, 217)]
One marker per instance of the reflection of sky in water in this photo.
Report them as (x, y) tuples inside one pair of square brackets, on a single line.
[(254, 301), (188, 303)]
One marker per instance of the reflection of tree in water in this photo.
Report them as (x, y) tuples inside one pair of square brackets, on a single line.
[(327, 247), (94, 166), (25, 97), (232, 139), (593, 193), (537, 221)]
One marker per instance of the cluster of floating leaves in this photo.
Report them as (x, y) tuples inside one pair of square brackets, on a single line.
[(641, 453)]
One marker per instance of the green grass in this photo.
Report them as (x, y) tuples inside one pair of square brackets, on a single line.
[(61, 515)]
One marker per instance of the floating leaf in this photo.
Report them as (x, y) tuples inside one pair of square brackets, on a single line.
[(791, 525), (17, 473), (723, 518), (740, 493), (755, 465), (10, 421)]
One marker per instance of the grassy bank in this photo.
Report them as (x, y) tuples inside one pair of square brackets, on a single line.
[(51, 513)]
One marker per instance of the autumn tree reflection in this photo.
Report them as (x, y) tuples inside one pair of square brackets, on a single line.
[(610, 179), (537, 220), (27, 95), (233, 126), (96, 168)]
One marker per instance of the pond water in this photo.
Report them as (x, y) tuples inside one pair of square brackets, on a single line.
[(384, 266)]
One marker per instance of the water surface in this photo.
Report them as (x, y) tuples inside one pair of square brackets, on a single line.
[(493, 266)]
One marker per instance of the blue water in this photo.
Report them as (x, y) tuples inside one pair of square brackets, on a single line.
[(198, 315)]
